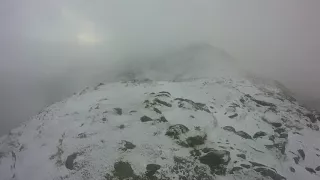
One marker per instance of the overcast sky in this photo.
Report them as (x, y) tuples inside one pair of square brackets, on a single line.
[(47, 41)]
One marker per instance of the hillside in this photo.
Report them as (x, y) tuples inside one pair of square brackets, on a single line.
[(193, 129)]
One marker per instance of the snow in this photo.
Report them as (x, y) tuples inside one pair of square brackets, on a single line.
[(42, 145)]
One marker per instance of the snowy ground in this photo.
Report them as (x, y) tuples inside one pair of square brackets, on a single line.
[(217, 128)]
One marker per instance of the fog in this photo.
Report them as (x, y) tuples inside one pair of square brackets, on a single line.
[(50, 49)]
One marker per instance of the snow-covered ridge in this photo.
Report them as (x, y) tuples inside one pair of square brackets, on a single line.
[(214, 128)]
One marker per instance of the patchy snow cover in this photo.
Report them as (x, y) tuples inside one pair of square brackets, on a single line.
[(218, 128)]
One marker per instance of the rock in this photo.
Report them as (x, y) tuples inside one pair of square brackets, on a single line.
[(302, 154), (259, 134), (263, 103), (197, 128), (279, 130), (269, 173), (157, 110), (104, 119), (276, 124), (310, 170), (123, 170), (272, 137), (195, 153), (164, 92), (317, 168), (245, 166), (281, 147), (312, 117), (314, 127), (69, 161), (217, 161), (254, 164), (196, 140), (175, 131), (118, 111), (283, 136), (128, 145), (82, 135), (233, 116), (296, 160), (162, 119), (162, 102), (121, 126), (145, 119), (206, 150), (152, 169), (292, 169), (243, 156), (229, 128), (196, 106), (243, 135), (235, 169)]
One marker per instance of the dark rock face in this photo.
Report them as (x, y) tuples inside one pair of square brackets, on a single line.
[(259, 134), (235, 169), (276, 124), (279, 130), (69, 161), (164, 92), (175, 131), (196, 140), (229, 128), (269, 173), (118, 111), (243, 156), (254, 164), (312, 171), (195, 153), (216, 160), (263, 103), (145, 119), (317, 168), (82, 135), (157, 110), (162, 102), (123, 170), (296, 160), (233, 116), (283, 136), (279, 146), (196, 106), (302, 154), (272, 137), (243, 135), (245, 166), (152, 169), (292, 169), (128, 145), (312, 117), (162, 119)]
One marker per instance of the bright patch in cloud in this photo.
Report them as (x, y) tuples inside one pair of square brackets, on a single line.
[(87, 39)]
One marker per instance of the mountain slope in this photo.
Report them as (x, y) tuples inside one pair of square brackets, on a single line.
[(210, 128)]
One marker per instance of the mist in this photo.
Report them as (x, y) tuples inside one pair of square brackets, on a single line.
[(51, 49)]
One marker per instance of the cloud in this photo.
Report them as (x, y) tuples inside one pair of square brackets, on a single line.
[(51, 48)]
